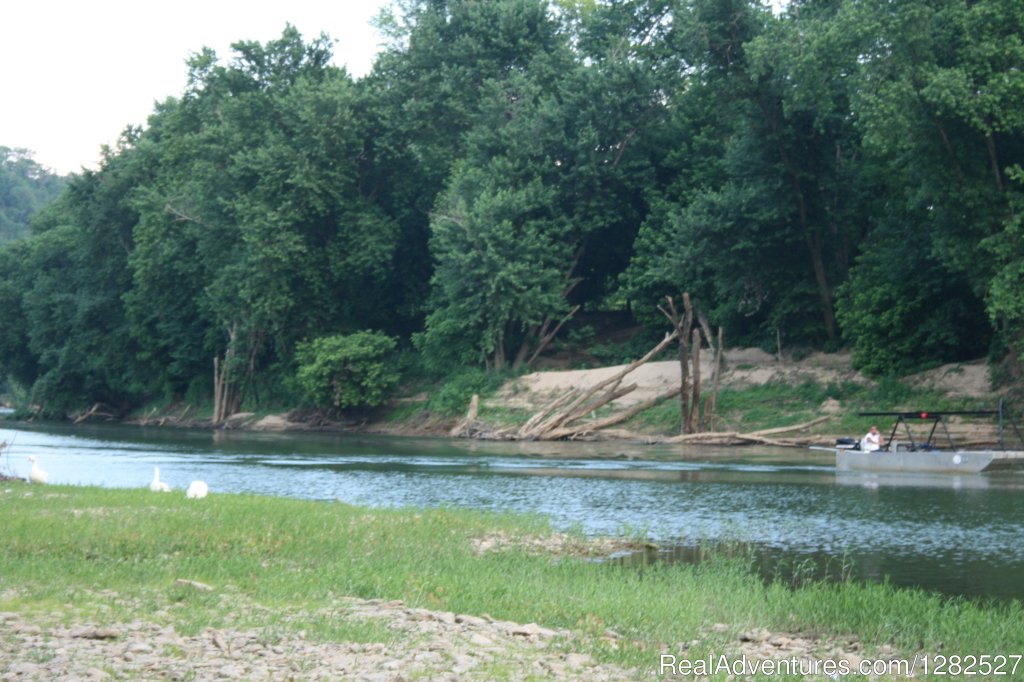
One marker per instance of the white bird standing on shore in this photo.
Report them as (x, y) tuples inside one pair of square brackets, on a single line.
[(36, 475), (197, 489), (157, 485)]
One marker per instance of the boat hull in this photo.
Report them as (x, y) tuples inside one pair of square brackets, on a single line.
[(930, 461)]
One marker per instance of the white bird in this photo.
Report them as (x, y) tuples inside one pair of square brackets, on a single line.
[(157, 485), (36, 475), (197, 489)]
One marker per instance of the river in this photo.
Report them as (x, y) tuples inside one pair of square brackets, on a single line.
[(789, 509)]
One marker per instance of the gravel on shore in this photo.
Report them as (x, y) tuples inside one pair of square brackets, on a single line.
[(427, 644)]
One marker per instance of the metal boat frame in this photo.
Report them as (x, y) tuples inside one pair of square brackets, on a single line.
[(926, 456)]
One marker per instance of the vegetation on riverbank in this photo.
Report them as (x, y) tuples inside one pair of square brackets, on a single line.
[(515, 175), (279, 566)]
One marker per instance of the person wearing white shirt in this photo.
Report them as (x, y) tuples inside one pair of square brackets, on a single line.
[(872, 441)]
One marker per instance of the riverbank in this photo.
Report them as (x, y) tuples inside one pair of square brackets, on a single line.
[(804, 400), (127, 583)]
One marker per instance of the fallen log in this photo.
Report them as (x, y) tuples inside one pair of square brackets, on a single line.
[(463, 427), (582, 404), (608, 397), (737, 438), (545, 412), (794, 427), (574, 431)]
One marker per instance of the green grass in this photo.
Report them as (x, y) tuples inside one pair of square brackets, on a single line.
[(279, 566), (779, 404)]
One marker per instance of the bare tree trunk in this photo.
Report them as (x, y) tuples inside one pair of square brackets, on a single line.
[(569, 432), (499, 353), (818, 263), (613, 394), (580, 405), (532, 422), (217, 388), (694, 421), (466, 424), (682, 325), (524, 347), (990, 145), (710, 409), (546, 339)]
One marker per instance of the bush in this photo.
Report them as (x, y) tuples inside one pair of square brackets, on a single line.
[(339, 372), (453, 397)]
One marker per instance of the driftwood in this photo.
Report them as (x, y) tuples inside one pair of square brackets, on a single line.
[(97, 410), (736, 438), (754, 438), (546, 411), (554, 421), (613, 393), (588, 427), (463, 427), (582, 402), (794, 427)]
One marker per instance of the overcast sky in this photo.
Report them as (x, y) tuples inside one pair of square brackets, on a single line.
[(74, 73)]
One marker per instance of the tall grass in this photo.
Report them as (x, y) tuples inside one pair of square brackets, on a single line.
[(276, 564)]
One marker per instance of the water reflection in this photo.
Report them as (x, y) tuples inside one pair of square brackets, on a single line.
[(959, 534)]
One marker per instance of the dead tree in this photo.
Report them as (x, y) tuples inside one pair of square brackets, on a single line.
[(682, 324), (694, 419), (555, 420), (689, 363), (711, 406)]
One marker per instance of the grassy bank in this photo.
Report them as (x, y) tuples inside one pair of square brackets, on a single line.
[(778, 404), (277, 566)]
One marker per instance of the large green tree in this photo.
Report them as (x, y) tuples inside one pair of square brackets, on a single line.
[(258, 209), (25, 188)]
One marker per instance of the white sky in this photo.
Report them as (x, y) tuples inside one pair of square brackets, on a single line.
[(74, 73)]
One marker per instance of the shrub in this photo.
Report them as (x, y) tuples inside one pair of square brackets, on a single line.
[(339, 372), (454, 395)]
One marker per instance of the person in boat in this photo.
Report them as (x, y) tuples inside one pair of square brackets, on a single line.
[(872, 441)]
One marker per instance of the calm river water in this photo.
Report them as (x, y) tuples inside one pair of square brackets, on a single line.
[(789, 508)]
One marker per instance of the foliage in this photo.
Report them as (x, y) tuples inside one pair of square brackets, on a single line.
[(26, 187), (453, 396), (841, 171), (903, 311), (353, 370)]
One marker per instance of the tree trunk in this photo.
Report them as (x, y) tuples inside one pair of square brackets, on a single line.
[(710, 409), (217, 388), (997, 173), (682, 327), (580, 405), (818, 262), (569, 432), (499, 353), (694, 420), (546, 339)]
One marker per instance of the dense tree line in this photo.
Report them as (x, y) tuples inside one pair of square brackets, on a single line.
[(846, 172), (25, 188)]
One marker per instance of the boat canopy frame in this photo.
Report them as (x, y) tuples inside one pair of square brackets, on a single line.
[(938, 419)]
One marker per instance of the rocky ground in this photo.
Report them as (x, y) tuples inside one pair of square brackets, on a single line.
[(432, 645), (435, 645)]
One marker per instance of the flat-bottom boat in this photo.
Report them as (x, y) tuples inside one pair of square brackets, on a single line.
[(911, 456)]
